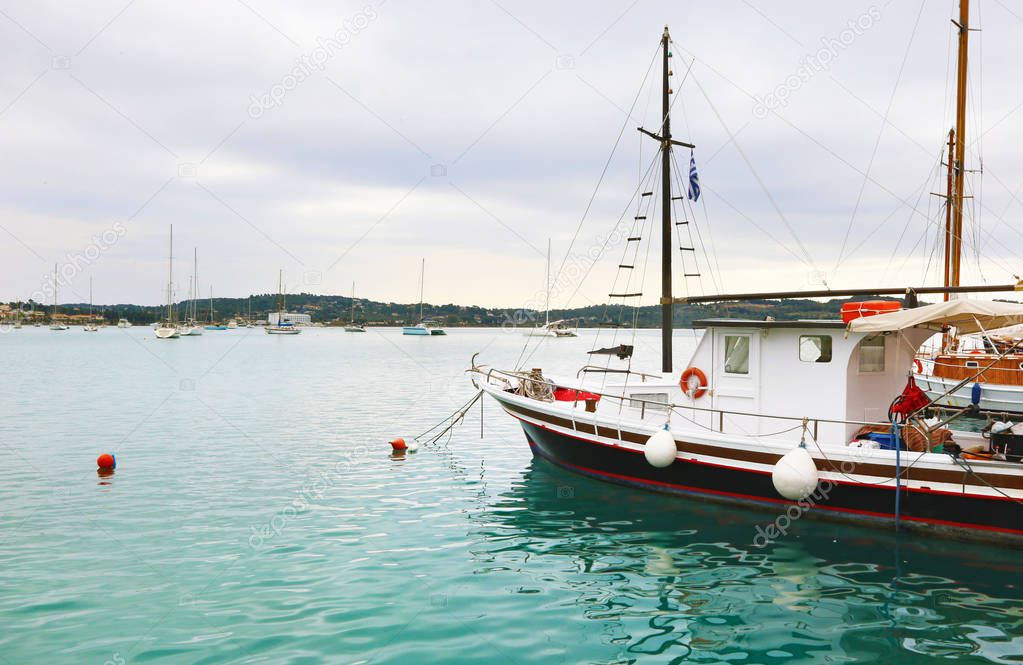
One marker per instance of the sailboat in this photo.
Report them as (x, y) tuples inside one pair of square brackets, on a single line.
[(192, 328), (168, 329), (212, 325), (424, 328), (352, 326), (949, 375), (54, 323), (282, 326), (90, 326), (560, 328), (803, 417)]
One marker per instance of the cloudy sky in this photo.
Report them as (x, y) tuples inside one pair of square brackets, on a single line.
[(343, 141)]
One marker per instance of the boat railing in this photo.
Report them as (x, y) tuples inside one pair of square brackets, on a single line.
[(717, 415)]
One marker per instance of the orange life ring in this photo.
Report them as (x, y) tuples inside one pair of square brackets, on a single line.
[(918, 365), (701, 379)]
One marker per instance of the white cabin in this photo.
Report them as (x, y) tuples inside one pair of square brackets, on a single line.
[(794, 369)]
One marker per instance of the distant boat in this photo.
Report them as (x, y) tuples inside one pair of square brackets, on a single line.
[(282, 326), (423, 328), (54, 325), (167, 328), (211, 325), (191, 328), (90, 326), (561, 328), (232, 324), (123, 323), (352, 326)]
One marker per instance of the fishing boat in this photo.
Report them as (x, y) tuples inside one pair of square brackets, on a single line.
[(806, 418), (168, 328), (948, 374), (90, 326), (282, 326), (352, 326), (55, 324), (560, 328), (425, 327)]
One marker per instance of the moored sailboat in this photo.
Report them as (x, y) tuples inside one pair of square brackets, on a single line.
[(808, 417), (168, 328), (352, 325), (282, 326), (55, 323), (425, 327)]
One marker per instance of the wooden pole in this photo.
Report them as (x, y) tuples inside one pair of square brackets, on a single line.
[(667, 324), (960, 143)]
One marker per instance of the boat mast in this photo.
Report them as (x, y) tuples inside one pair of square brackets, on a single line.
[(53, 317), (956, 162), (422, 277), (195, 277), (353, 303), (170, 277), (667, 324), (547, 283)]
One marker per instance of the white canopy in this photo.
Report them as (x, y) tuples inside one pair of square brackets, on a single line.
[(967, 316)]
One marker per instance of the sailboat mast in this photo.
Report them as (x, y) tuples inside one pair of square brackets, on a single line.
[(547, 293), (170, 276), (422, 277), (666, 296), (958, 163), (53, 317), (353, 303), (195, 277)]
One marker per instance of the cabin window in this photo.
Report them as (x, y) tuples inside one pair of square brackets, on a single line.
[(815, 348), (872, 354), (649, 401), (736, 354), (972, 364)]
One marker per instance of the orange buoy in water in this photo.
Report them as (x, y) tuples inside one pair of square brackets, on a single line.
[(106, 461), (398, 444)]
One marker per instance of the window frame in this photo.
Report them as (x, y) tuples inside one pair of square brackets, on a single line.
[(724, 354), (884, 352), (830, 348)]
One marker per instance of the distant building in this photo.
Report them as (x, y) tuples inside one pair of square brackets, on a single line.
[(294, 317)]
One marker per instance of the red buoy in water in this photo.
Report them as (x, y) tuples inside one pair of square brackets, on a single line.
[(398, 444), (106, 461)]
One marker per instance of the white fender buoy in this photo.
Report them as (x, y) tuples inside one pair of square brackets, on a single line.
[(795, 474), (660, 449), (413, 446)]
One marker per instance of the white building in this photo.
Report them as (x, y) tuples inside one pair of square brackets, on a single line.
[(297, 319)]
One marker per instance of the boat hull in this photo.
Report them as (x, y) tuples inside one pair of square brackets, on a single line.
[(985, 519), (415, 331), (948, 513), (993, 397)]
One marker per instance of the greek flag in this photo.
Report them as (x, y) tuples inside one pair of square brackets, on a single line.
[(694, 180)]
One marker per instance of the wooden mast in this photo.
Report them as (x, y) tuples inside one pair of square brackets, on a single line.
[(667, 309), (956, 162)]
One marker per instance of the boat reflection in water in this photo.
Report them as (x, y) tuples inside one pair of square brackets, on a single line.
[(687, 580)]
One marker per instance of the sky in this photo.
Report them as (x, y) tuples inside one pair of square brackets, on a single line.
[(342, 142)]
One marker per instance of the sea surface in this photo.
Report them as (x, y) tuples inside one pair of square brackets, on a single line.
[(257, 515)]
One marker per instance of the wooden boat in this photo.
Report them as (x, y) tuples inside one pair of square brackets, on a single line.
[(804, 418)]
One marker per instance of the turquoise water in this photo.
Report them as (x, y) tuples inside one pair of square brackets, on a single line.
[(257, 516)]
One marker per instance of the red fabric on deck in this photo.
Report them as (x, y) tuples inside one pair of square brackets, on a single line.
[(573, 395), (911, 399)]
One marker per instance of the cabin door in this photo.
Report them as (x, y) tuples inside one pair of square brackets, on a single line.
[(736, 379)]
